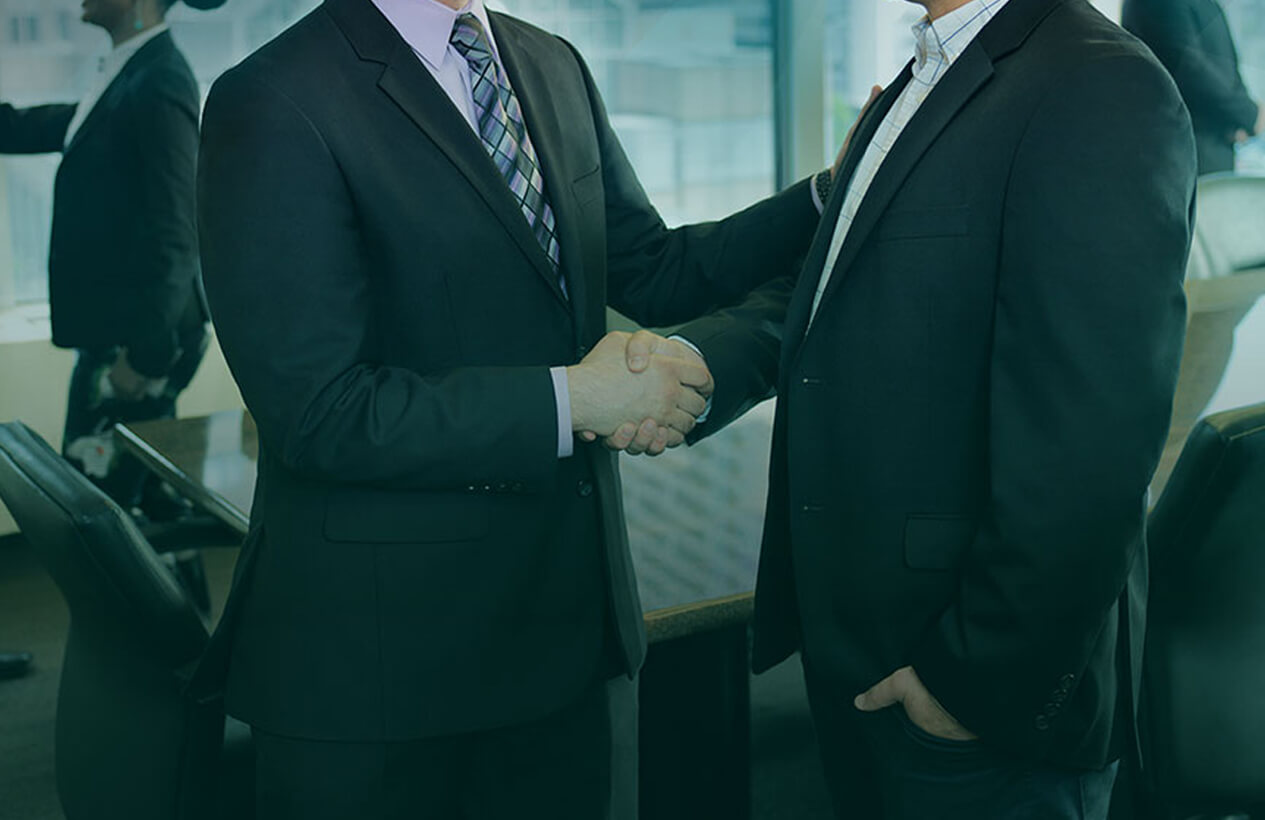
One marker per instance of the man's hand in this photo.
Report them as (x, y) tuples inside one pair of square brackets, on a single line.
[(847, 140), (648, 437), (904, 687), (128, 384), (606, 394)]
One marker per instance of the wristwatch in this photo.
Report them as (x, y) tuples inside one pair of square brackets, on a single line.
[(823, 182)]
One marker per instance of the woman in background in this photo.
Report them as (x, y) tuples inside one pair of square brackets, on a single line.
[(124, 288)]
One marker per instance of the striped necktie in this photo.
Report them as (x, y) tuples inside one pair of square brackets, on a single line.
[(504, 134)]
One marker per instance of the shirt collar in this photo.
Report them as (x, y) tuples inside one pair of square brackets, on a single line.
[(426, 25), (126, 50), (938, 43)]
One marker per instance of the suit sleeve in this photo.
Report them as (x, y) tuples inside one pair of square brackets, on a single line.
[(38, 130), (1088, 330), (288, 281), (164, 127), (659, 276), (742, 345), (1213, 91)]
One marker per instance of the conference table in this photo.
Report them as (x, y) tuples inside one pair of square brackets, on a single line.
[(694, 523)]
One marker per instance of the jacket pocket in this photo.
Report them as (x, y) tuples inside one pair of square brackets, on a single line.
[(368, 516), (925, 223), (588, 187), (937, 541)]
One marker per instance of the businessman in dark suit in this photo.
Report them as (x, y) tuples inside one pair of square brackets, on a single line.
[(1192, 39), (974, 375), (413, 219), (123, 261)]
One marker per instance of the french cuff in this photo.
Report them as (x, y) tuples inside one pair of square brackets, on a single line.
[(562, 400), (707, 411)]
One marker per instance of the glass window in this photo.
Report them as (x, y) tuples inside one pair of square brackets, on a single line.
[(688, 84)]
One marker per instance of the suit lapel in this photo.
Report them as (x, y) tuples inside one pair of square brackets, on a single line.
[(801, 302), (545, 127), (407, 82), (963, 79), (1003, 35)]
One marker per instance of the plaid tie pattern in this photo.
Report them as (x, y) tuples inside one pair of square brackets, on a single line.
[(503, 132)]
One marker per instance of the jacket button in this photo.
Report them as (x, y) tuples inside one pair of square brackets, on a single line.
[(584, 489), (1067, 680), (1059, 695), (582, 351), (518, 487), (810, 381), (1051, 709), (1042, 723)]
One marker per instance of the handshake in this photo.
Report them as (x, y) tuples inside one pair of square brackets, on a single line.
[(639, 392)]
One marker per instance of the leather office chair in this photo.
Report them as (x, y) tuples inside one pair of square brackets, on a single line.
[(1202, 717), (128, 744)]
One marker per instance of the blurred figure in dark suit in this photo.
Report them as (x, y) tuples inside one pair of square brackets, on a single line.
[(123, 264), (1192, 39)]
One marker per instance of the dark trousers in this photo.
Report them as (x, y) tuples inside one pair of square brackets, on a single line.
[(880, 766), (88, 415), (576, 764)]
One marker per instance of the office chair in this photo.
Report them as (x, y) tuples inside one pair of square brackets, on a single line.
[(128, 744), (1202, 717)]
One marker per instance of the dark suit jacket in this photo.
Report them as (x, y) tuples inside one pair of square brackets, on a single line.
[(1192, 39), (420, 561), (965, 435), (123, 261)]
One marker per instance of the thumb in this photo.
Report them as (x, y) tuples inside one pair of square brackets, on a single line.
[(879, 696), (640, 345)]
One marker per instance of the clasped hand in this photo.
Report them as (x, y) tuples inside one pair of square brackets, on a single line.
[(639, 392)]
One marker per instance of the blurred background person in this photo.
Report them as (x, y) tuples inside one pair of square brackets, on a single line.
[(1192, 39), (124, 288)]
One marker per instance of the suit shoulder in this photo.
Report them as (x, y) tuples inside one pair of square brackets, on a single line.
[(287, 62), (163, 79), (1076, 46), (530, 36), (1076, 33)]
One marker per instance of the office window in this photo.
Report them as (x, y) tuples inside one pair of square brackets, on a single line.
[(688, 84), (689, 88)]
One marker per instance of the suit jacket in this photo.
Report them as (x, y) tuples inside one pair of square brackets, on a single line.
[(1192, 39), (420, 561), (123, 260), (965, 436)]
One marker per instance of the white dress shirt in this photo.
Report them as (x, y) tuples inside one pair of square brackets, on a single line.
[(939, 44), (107, 70)]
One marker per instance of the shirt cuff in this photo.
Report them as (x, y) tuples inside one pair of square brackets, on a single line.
[(821, 206), (562, 399), (707, 411)]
